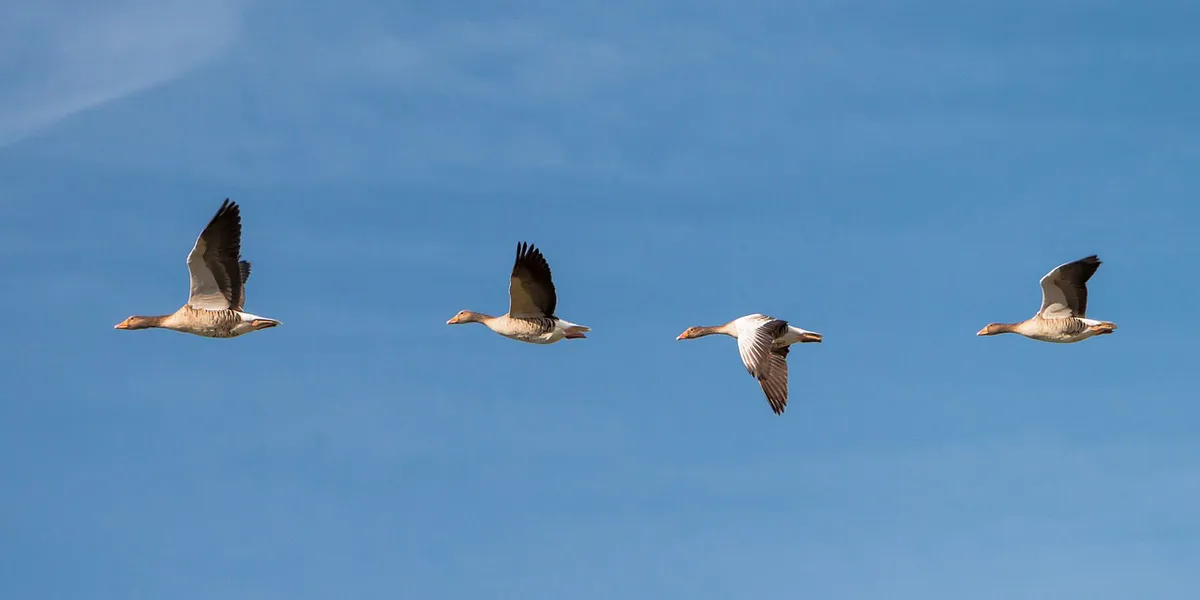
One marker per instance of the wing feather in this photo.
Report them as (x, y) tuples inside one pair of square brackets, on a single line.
[(774, 382), (531, 287), (217, 277), (756, 338), (1064, 289), (244, 268)]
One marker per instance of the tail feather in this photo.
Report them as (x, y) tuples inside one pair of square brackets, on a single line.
[(263, 323), (572, 331)]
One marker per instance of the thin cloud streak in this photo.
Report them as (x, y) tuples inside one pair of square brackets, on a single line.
[(542, 95), (74, 58)]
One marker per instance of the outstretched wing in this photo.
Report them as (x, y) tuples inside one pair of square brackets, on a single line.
[(531, 288), (214, 263), (756, 337), (774, 382), (1064, 289)]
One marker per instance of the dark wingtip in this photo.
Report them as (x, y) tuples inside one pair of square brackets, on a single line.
[(523, 248), (527, 250), (1092, 263), (229, 207), (229, 211)]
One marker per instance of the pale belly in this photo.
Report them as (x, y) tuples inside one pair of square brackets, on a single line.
[(538, 338), (1060, 338), (210, 329)]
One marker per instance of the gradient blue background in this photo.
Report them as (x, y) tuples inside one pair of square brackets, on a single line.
[(892, 175)]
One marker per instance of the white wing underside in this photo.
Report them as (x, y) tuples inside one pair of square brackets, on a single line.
[(754, 343), (205, 292)]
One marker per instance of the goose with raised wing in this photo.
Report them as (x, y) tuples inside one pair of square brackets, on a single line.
[(1062, 318), (218, 292), (531, 304), (763, 343)]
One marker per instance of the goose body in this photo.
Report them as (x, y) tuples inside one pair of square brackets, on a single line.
[(1062, 317), (218, 285), (763, 345), (534, 330), (531, 303), (212, 323)]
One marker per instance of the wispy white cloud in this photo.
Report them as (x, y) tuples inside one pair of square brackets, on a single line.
[(631, 95), (72, 56)]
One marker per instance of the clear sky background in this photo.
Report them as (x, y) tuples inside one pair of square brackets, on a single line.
[(894, 175)]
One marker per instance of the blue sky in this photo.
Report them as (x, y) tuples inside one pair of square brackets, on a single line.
[(892, 175)]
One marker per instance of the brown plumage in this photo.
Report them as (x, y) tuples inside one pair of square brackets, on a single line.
[(531, 286), (1064, 289), (218, 284), (1062, 318), (532, 301), (216, 262)]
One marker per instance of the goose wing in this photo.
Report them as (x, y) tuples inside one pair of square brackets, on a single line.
[(531, 288), (774, 382), (244, 270), (756, 337), (1064, 289), (218, 277)]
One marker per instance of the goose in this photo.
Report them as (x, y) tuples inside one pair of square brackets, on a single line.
[(218, 294), (1062, 319), (531, 304), (763, 343)]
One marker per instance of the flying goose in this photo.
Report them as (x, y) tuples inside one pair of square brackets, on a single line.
[(531, 304), (219, 276), (763, 343), (1063, 316)]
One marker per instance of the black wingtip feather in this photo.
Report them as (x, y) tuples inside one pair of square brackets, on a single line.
[(229, 209), (526, 252), (1089, 265), (530, 259)]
